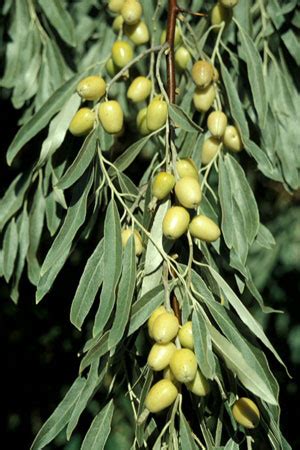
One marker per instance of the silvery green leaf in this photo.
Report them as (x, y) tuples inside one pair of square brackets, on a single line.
[(264, 237), (129, 155), (23, 232), (186, 438), (99, 430), (95, 351), (60, 19), (203, 345), (10, 249), (182, 120)]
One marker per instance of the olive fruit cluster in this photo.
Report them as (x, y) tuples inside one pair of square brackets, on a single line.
[(179, 365), (222, 12), (204, 75)]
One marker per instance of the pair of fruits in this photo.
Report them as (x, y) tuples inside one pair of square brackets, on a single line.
[(152, 117), (179, 365), (205, 76)]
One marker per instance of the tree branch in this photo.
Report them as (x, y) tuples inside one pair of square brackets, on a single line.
[(171, 25)]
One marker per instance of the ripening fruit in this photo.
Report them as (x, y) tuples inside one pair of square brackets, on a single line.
[(220, 14), (176, 222), (91, 88), (141, 121), (202, 227), (162, 184), (246, 412), (217, 123), (111, 116), (199, 385), (229, 3), (160, 355), (125, 235), (165, 328), (157, 114), (202, 73), (139, 89), (115, 5), (187, 168), (204, 98), (210, 148), (131, 11), (111, 68), (122, 53), (232, 139), (182, 58), (83, 122), (137, 33), (188, 192), (184, 365), (161, 395), (118, 23), (185, 336), (157, 312), (177, 37)]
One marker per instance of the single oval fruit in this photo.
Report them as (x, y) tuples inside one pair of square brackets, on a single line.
[(176, 222), (137, 33), (184, 365), (139, 89), (177, 37), (202, 73), (202, 227), (118, 23), (111, 116), (122, 53), (217, 123), (165, 328), (141, 122), (115, 5), (188, 192), (131, 11), (111, 68), (199, 385), (185, 336), (203, 98), (162, 184), (182, 58), (160, 355), (210, 148), (157, 114), (229, 3), (157, 312), (220, 14), (82, 122), (246, 412), (161, 395), (125, 235), (91, 88), (232, 139), (187, 168)]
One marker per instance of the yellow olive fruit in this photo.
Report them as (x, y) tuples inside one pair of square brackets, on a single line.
[(137, 33), (202, 227), (157, 114), (83, 122), (176, 222), (232, 139), (199, 385), (162, 184), (165, 328), (177, 37), (125, 235), (157, 312), (210, 148), (141, 122), (139, 89), (184, 365), (91, 88), (202, 73), (160, 355), (187, 168), (122, 53), (188, 192), (161, 395), (246, 412), (185, 336), (111, 116), (115, 5), (220, 14), (131, 11), (111, 68), (229, 3), (182, 58), (204, 98), (118, 23), (217, 123)]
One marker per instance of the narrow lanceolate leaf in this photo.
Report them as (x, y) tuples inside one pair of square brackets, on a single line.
[(112, 266), (99, 430), (182, 120), (74, 219), (231, 445), (186, 438), (255, 75), (97, 348), (46, 281), (89, 284), (127, 157), (225, 196), (235, 361), (60, 417), (125, 294), (203, 346), (81, 162), (60, 19), (10, 249)]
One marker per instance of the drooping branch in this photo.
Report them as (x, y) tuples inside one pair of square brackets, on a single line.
[(171, 25)]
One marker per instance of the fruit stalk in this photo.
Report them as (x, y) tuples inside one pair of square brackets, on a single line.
[(171, 23)]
